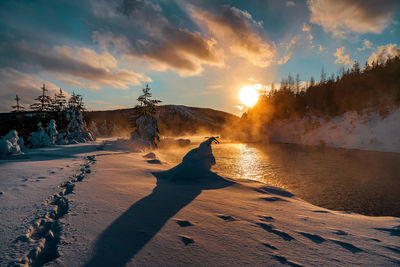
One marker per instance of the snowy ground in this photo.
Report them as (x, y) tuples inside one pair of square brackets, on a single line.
[(367, 131), (117, 208)]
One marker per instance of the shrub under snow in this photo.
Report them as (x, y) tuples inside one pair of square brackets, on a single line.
[(10, 144)]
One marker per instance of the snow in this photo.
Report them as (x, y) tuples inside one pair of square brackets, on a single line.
[(11, 144), (39, 138), (119, 210), (368, 131), (146, 131), (76, 128), (53, 133)]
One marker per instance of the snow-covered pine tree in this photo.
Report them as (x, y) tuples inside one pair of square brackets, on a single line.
[(76, 102), (60, 101), (146, 125), (146, 105), (43, 103)]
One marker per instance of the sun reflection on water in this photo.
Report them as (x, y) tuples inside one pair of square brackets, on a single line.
[(241, 161)]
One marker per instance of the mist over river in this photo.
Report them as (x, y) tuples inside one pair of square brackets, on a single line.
[(365, 182)]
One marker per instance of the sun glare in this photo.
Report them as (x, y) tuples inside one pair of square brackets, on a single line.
[(248, 95)]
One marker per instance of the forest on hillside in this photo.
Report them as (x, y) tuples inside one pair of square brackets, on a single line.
[(375, 87)]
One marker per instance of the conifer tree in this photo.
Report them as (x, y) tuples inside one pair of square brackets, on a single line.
[(356, 67), (17, 108), (323, 75), (297, 83), (60, 101), (147, 106), (312, 81), (76, 102), (43, 102)]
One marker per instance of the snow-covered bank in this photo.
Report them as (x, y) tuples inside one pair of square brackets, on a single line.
[(128, 212), (368, 131)]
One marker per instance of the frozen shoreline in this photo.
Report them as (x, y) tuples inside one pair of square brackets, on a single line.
[(123, 214), (368, 131)]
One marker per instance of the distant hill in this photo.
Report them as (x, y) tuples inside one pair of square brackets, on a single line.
[(173, 119)]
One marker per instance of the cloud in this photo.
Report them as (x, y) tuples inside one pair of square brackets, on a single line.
[(161, 43), (383, 53), (306, 28), (26, 86), (341, 58), (285, 58), (74, 62), (290, 4), (344, 16), (366, 45), (237, 30), (214, 86)]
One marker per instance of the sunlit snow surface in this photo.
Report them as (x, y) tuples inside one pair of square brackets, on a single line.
[(122, 214)]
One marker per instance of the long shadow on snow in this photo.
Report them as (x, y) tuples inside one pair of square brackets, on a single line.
[(51, 153), (127, 235)]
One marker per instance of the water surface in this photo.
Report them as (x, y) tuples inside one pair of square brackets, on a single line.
[(364, 182)]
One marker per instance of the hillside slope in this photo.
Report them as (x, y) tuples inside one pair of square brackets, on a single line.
[(172, 119)]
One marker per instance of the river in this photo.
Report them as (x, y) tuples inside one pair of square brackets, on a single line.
[(364, 182)]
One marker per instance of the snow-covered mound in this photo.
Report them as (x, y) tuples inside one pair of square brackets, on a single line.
[(40, 138), (11, 144), (369, 131), (196, 163), (146, 131)]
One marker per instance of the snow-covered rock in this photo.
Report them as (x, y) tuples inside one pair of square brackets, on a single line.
[(9, 144), (146, 131)]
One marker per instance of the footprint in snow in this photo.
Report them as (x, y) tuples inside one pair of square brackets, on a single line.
[(313, 237), (186, 240), (270, 228), (339, 232), (283, 260), (395, 231), (348, 246), (266, 218), (184, 223), (321, 211), (273, 199), (393, 248), (269, 246), (226, 218)]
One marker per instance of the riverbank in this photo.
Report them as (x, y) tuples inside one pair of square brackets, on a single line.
[(367, 131), (124, 212)]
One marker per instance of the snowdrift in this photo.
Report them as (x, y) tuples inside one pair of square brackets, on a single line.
[(369, 131), (11, 143)]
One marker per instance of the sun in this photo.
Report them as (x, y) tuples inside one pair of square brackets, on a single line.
[(248, 95)]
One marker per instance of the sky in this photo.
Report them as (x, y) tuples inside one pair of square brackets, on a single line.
[(197, 53)]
